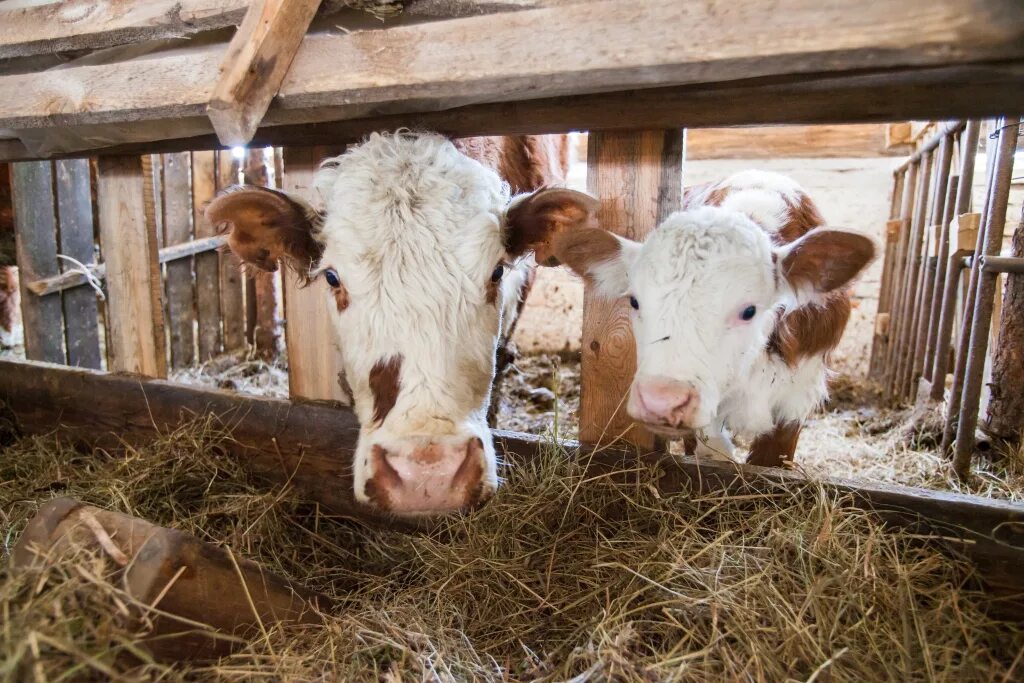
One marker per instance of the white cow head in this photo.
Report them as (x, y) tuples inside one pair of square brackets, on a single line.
[(415, 244), (706, 289)]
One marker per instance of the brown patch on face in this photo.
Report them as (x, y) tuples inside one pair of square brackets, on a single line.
[(469, 477), (826, 259), (803, 217), (581, 250), (384, 479), (810, 330), (340, 298), (265, 227), (385, 384), (534, 222)]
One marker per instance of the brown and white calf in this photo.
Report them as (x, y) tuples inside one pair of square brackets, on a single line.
[(738, 301), (10, 315), (425, 251)]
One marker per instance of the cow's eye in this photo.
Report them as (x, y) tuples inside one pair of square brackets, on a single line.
[(634, 303), (499, 270), (332, 278), (748, 313)]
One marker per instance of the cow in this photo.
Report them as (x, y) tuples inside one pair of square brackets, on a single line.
[(736, 303), (10, 314), (425, 247)]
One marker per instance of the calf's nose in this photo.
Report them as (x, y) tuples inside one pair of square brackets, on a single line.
[(427, 479), (664, 401)]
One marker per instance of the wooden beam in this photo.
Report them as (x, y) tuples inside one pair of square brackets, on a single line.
[(536, 53), (204, 189), (310, 444), (638, 177), (134, 309), (255, 65), (63, 26), (821, 141)]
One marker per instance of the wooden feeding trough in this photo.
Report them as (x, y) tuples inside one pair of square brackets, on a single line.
[(632, 73)]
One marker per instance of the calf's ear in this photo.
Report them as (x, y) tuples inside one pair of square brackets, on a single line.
[(824, 260), (265, 227), (599, 257), (534, 220)]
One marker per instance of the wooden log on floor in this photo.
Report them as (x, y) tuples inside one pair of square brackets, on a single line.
[(179, 282), (638, 177), (310, 445), (232, 305), (202, 600), (78, 241), (134, 307), (204, 189)]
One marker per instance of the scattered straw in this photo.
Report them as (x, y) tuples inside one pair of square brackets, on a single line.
[(621, 584)]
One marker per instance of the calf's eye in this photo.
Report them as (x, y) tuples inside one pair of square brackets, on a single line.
[(332, 278), (748, 313), (634, 303), (498, 272)]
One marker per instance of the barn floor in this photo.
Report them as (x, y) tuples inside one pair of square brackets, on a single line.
[(558, 578)]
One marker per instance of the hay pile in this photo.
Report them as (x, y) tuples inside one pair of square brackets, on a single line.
[(556, 579)]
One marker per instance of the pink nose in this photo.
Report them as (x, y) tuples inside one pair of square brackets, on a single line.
[(434, 478), (664, 401)]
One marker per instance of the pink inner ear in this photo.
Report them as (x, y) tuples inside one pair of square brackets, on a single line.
[(826, 260)]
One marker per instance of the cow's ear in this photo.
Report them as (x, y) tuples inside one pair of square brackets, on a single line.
[(599, 257), (823, 260), (266, 227), (533, 220)]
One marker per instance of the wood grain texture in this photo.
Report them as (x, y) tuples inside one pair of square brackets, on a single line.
[(314, 361), (538, 53), (232, 303), (179, 281), (865, 140), (632, 174), (35, 229), (264, 321), (1005, 413), (204, 188), (255, 65), (310, 445), (77, 240), (83, 24), (134, 308)]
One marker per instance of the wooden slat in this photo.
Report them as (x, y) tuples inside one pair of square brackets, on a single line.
[(232, 305), (827, 141), (263, 323), (598, 46), (179, 283), (55, 27), (77, 240), (314, 361), (35, 228), (255, 64), (134, 309), (631, 173), (310, 446), (204, 188)]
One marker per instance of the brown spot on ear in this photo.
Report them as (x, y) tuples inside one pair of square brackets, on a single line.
[(535, 220), (810, 330), (581, 250), (384, 384), (340, 298), (826, 259), (266, 227)]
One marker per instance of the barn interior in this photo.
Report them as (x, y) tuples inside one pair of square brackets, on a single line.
[(155, 393)]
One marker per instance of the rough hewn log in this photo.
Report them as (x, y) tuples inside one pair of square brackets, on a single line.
[(1005, 418)]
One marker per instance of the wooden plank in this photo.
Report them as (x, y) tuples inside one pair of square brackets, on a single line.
[(56, 27), (826, 141), (255, 64), (232, 305), (263, 324), (314, 361), (629, 172), (310, 445), (179, 282), (135, 313), (78, 240), (35, 228), (204, 188), (537, 53)]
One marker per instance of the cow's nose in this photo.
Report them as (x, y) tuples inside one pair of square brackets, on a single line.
[(664, 401), (427, 479)]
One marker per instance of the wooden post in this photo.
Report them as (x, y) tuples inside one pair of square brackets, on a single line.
[(314, 362), (35, 227), (265, 323), (181, 314), (1005, 416), (204, 188), (135, 313), (232, 306), (895, 292), (77, 240), (637, 176)]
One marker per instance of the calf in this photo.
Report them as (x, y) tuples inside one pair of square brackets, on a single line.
[(10, 315), (737, 302), (425, 253)]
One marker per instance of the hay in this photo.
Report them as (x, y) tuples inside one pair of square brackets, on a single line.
[(558, 578)]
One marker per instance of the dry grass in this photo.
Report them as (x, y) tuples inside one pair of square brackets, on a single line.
[(558, 578)]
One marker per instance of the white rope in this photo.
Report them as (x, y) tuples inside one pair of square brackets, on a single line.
[(86, 272)]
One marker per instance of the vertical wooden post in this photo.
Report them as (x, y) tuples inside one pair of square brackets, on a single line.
[(77, 240), (232, 306), (133, 273), (314, 362), (204, 188), (1005, 416), (35, 228), (264, 322), (895, 295), (181, 313), (637, 176)]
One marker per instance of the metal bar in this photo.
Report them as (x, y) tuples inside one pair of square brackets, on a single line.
[(1002, 264), (943, 332), (932, 142), (899, 266), (985, 299)]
